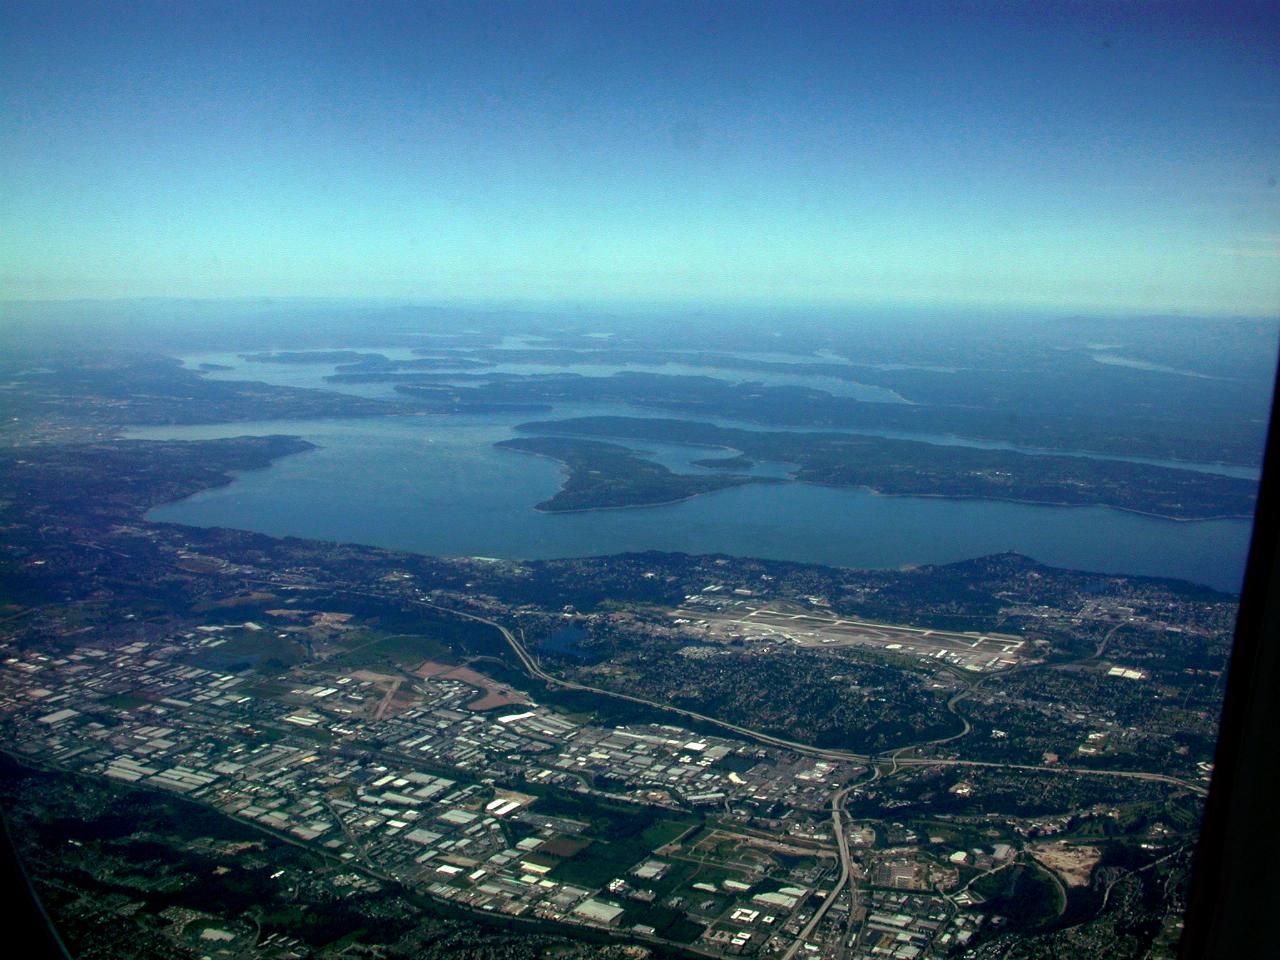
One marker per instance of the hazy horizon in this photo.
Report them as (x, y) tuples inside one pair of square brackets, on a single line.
[(569, 307), (1068, 158)]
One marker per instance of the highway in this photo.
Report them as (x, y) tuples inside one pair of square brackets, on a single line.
[(846, 870), (842, 756)]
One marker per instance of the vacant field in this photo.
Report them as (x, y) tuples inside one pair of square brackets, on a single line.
[(494, 694), (1074, 863), (368, 648)]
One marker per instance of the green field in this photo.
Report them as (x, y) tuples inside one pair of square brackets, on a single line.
[(1023, 893), (370, 649), (241, 650), (620, 838)]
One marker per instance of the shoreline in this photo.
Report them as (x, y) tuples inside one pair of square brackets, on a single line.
[(567, 471), (874, 491)]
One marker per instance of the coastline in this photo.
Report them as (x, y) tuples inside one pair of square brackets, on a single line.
[(874, 491)]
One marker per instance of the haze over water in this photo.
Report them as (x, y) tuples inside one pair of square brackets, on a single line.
[(1113, 160), (437, 485)]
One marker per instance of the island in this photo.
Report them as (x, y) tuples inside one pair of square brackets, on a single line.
[(603, 475), (585, 720), (219, 740), (913, 468), (305, 357), (1037, 408)]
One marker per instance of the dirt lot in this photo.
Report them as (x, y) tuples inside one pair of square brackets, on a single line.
[(1070, 861), (495, 694)]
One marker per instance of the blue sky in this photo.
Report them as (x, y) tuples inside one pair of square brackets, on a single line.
[(1111, 157)]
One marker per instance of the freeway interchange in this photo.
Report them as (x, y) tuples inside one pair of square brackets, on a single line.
[(877, 765)]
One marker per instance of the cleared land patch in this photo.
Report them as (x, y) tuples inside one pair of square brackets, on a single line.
[(495, 694), (1073, 862)]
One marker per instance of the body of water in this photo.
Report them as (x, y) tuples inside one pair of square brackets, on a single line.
[(231, 366), (437, 485)]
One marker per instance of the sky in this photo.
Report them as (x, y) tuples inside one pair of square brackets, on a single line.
[(1114, 157)]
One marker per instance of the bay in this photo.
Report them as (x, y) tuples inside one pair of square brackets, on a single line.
[(232, 366), (437, 485)]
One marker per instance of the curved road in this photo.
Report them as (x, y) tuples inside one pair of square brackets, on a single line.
[(846, 869), (534, 670)]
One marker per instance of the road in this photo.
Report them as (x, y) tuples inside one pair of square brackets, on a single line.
[(535, 670), (846, 869)]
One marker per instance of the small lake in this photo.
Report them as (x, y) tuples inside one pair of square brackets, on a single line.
[(565, 641)]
